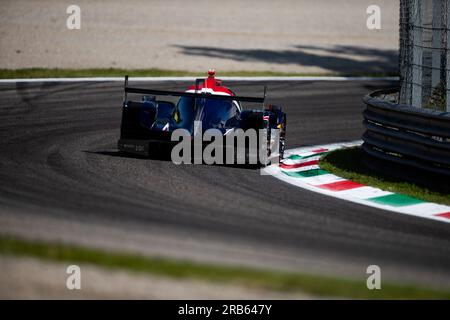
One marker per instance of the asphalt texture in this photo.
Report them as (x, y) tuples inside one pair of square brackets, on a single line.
[(59, 163)]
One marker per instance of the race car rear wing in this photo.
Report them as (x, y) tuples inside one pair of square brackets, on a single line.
[(128, 89)]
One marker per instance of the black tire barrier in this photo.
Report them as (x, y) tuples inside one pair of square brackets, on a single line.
[(412, 137)]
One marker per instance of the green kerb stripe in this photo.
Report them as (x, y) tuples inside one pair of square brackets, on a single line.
[(297, 157), (396, 200), (306, 173)]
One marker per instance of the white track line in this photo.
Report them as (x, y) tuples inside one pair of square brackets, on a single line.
[(161, 79)]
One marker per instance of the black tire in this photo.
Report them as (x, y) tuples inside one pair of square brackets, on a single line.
[(266, 162), (282, 137)]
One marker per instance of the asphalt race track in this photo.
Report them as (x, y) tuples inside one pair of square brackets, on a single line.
[(59, 163)]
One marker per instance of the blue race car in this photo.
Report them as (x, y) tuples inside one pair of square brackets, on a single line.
[(147, 125)]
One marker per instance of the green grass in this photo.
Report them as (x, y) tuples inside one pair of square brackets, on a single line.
[(279, 281), (347, 163), (112, 72)]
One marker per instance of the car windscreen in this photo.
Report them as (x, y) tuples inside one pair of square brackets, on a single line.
[(213, 113)]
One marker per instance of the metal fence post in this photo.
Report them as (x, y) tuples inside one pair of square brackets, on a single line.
[(447, 46), (417, 53), (404, 53), (436, 43)]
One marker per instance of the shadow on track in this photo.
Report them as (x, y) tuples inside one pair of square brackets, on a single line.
[(338, 59), (165, 157)]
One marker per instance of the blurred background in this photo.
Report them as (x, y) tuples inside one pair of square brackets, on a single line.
[(297, 36)]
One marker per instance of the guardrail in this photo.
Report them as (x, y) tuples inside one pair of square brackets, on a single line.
[(414, 137)]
